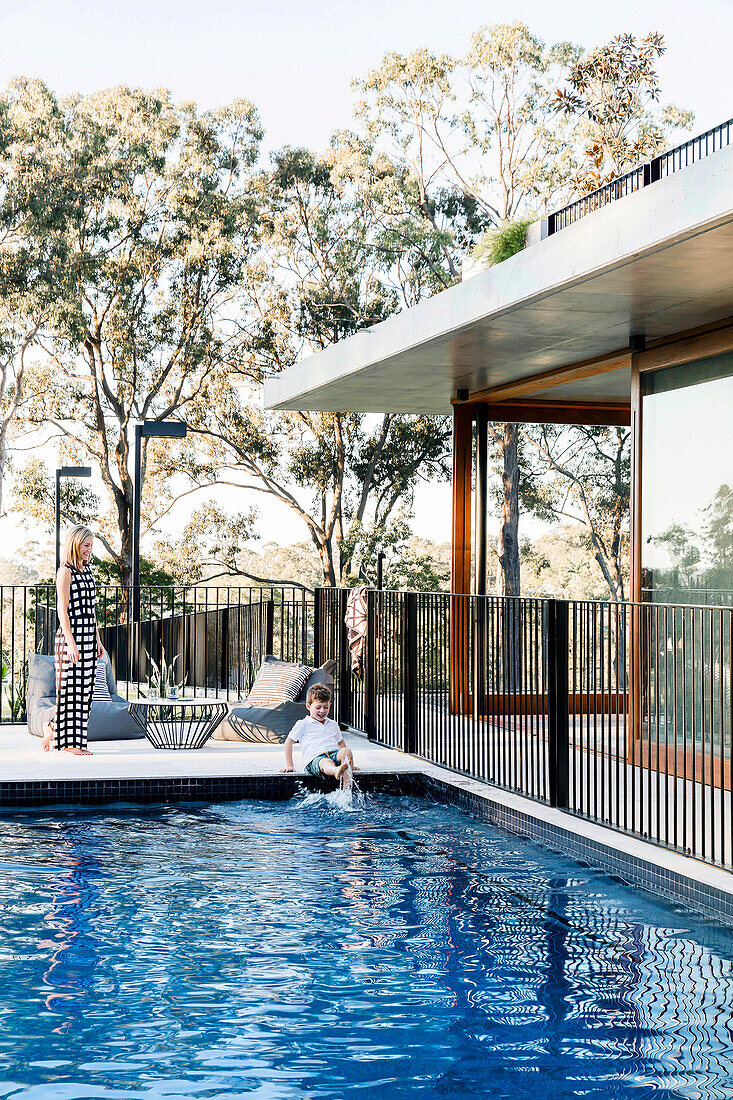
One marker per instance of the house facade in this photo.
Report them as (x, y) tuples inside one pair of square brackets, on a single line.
[(619, 311)]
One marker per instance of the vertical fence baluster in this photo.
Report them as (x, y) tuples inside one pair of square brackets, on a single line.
[(409, 671), (557, 702)]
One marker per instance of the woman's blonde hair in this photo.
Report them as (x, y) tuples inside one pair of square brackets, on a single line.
[(72, 546)]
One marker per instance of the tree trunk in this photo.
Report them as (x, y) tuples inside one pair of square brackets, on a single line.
[(507, 571), (3, 463), (124, 524), (507, 574), (324, 552)]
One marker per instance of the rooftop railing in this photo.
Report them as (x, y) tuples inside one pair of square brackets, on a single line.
[(673, 160)]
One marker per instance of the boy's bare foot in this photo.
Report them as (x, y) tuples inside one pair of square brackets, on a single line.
[(347, 779), (341, 770)]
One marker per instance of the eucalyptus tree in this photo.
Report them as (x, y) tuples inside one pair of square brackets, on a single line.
[(333, 262), (34, 201), (162, 226), (484, 127)]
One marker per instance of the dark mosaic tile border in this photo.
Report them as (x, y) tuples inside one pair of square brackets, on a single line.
[(99, 791), (614, 861)]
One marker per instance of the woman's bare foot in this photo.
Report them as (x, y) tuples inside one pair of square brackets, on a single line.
[(47, 739), (78, 752)]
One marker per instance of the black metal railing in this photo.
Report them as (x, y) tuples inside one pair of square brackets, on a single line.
[(218, 635), (673, 160), (621, 713), (602, 196)]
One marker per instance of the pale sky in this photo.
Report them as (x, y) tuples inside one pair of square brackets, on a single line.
[(295, 60)]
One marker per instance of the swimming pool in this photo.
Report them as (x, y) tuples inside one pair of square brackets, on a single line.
[(306, 949)]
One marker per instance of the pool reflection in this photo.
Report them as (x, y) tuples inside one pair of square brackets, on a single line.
[(69, 977), (397, 951)]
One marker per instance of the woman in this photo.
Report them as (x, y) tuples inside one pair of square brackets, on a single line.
[(77, 645)]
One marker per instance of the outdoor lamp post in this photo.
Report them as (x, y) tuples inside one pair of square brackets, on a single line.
[(65, 471), (172, 429), (380, 570)]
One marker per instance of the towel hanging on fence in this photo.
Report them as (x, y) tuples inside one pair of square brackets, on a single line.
[(356, 623)]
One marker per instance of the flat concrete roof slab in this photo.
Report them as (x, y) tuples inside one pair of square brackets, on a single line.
[(657, 262)]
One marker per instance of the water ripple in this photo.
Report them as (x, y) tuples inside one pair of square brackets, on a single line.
[(323, 947)]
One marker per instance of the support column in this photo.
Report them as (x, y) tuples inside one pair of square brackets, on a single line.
[(636, 444), (461, 558), (482, 490), (462, 465), (633, 732), (478, 618)]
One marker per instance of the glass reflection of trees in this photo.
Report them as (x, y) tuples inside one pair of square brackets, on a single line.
[(701, 559)]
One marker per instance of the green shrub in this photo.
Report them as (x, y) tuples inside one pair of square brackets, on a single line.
[(499, 244), (16, 688)]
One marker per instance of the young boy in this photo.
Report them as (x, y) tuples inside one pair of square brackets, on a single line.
[(322, 748)]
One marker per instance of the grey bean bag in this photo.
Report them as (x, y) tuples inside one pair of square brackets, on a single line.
[(270, 725), (109, 720)]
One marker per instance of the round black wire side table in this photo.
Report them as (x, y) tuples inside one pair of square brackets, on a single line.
[(178, 723)]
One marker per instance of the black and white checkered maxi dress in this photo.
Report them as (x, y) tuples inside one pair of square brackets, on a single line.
[(74, 683)]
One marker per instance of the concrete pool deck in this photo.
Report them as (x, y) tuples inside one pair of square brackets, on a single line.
[(23, 761), (134, 770)]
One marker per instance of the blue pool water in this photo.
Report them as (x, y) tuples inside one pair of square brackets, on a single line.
[(308, 949)]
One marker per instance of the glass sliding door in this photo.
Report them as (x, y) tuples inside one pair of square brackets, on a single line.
[(687, 559), (687, 483)]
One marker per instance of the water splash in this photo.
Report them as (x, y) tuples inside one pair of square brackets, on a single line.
[(337, 802)]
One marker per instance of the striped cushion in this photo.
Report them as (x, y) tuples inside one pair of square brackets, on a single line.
[(277, 682), (101, 691)]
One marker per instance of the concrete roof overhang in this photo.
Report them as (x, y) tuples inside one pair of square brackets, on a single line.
[(656, 263)]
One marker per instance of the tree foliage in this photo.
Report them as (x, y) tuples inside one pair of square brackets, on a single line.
[(483, 126), (210, 546), (560, 563), (326, 271), (584, 473), (158, 236), (613, 92), (35, 200)]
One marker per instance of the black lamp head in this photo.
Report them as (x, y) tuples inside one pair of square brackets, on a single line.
[(74, 471), (170, 429)]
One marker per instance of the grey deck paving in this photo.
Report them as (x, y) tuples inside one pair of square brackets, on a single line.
[(22, 759)]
